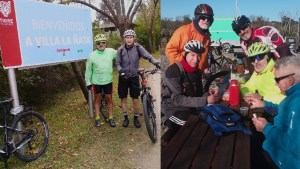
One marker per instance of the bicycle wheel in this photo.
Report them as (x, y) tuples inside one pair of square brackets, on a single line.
[(150, 117), (104, 109), (221, 79), (31, 140), (214, 65)]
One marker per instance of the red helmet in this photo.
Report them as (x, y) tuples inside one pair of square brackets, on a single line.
[(203, 9)]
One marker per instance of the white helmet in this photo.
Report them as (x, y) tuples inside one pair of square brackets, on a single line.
[(194, 46), (129, 32)]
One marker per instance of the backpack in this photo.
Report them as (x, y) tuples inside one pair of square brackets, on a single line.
[(222, 119)]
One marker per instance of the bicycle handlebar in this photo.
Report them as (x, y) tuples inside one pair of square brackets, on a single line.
[(153, 71)]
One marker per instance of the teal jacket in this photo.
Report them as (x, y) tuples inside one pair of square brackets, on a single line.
[(264, 83), (99, 67), (283, 137)]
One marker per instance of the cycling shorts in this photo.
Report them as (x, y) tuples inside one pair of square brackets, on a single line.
[(103, 89), (132, 83)]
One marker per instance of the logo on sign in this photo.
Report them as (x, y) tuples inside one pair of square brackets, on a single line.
[(5, 8)]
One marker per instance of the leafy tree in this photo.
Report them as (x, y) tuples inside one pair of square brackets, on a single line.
[(148, 20)]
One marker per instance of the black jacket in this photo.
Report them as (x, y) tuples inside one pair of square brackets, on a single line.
[(186, 91)]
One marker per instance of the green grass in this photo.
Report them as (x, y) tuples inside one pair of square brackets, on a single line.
[(74, 142)]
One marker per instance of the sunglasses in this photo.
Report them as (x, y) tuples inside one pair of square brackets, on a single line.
[(204, 17), (243, 27), (257, 57), (98, 43), (278, 79)]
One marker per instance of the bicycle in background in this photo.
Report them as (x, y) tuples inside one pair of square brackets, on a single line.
[(27, 137), (147, 102), (222, 58), (222, 66)]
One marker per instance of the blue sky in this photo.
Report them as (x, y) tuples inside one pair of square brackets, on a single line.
[(226, 8)]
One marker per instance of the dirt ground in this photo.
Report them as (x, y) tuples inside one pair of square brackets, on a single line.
[(150, 158)]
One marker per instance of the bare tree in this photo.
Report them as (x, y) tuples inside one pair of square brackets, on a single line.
[(114, 10)]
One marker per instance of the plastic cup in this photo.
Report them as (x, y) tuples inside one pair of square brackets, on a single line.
[(225, 96), (244, 111)]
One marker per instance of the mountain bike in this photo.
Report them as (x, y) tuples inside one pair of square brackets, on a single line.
[(223, 57), (104, 108), (147, 102), (27, 137)]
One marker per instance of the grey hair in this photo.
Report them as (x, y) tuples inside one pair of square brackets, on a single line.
[(291, 63)]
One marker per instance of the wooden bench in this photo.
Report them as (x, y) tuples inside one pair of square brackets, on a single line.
[(196, 147)]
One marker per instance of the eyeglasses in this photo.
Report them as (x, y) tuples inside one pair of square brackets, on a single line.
[(257, 57), (98, 43), (204, 17), (243, 27), (278, 79)]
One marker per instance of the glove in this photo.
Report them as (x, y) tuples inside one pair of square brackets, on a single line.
[(157, 64), (89, 87)]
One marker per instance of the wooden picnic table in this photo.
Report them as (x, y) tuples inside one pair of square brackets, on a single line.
[(196, 147)]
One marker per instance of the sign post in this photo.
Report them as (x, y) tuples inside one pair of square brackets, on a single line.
[(91, 105), (17, 108), (30, 37)]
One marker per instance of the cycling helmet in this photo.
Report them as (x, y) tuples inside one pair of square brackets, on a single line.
[(258, 48), (203, 9), (100, 38), (129, 32), (194, 46), (240, 22)]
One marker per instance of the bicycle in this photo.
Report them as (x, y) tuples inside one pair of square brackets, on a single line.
[(104, 108), (223, 60), (221, 67), (147, 102), (27, 137)]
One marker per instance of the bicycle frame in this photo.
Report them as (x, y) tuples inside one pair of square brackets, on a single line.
[(8, 149), (216, 64)]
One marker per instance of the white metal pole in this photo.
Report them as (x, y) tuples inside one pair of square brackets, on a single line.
[(236, 9), (17, 108), (91, 105)]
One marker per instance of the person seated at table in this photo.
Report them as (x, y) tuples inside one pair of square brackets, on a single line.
[(185, 88), (282, 139), (261, 83)]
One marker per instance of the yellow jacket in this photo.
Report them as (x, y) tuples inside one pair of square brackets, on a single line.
[(174, 49), (264, 83)]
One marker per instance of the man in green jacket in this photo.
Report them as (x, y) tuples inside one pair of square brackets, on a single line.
[(98, 74), (262, 83)]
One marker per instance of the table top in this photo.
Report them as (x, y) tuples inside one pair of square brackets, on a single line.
[(196, 146)]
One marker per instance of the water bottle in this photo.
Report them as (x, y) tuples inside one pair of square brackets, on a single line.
[(234, 92)]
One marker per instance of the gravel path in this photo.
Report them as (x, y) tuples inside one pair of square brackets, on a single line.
[(150, 158)]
